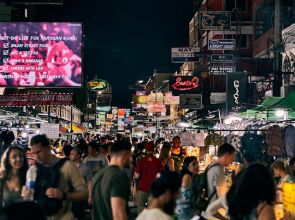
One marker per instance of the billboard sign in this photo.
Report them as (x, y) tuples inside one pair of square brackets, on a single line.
[(236, 84), (40, 54), (222, 44), (18, 100), (98, 85), (222, 58), (191, 101), (103, 108), (184, 84), (184, 54), (215, 20)]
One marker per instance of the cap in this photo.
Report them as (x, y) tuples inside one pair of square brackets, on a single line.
[(149, 146)]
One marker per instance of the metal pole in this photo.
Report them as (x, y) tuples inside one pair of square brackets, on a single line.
[(49, 113), (71, 119), (277, 49)]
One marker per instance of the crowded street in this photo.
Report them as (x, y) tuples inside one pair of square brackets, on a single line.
[(158, 110)]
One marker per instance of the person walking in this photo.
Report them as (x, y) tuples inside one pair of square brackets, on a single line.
[(13, 171), (280, 171), (216, 181), (111, 185), (146, 171), (164, 192), (165, 157), (58, 181), (185, 203)]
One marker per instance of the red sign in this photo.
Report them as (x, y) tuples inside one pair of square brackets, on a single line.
[(19, 100), (184, 84)]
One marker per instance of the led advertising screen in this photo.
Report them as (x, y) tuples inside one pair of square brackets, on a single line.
[(40, 54)]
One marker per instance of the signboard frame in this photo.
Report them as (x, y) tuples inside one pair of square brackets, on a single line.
[(191, 97), (222, 58), (189, 54), (221, 44), (211, 15)]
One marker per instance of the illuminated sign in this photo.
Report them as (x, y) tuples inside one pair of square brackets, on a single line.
[(184, 84), (215, 20), (103, 108), (98, 85)]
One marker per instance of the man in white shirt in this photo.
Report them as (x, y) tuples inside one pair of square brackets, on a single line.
[(164, 193)]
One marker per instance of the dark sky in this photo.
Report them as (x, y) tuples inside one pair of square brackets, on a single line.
[(127, 39)]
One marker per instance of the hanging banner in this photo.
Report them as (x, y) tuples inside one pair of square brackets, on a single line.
[(18, 100), (236, 84), (169, 99), (156, 108), (50, 130), (184, 84), (222, 44), (184, 54), (191, 101), (154, 98), (215, 20)]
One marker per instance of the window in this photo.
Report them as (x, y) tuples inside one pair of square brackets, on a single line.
[(244, 41), (232, 4)]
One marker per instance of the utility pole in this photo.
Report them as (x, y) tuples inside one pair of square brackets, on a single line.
[(278, 49)]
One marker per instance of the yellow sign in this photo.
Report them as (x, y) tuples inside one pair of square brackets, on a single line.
[(289, 200)]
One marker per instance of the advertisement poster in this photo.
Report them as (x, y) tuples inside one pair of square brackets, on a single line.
[(40, 54)]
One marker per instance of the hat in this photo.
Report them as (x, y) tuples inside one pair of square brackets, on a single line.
[(149, 146)]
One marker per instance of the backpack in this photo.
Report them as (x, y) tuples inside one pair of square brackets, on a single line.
[(48, 177), (201, 190)]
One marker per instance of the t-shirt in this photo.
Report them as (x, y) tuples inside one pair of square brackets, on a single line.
[(107, 183), (94, 164), (70, 180), (148, 214), (215, 178), (148, 167)]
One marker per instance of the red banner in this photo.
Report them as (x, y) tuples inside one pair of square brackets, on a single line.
[(19, 100)]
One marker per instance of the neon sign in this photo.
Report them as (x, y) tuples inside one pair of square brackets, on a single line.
[(187, 84)]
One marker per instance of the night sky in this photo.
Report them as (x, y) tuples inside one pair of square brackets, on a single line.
[(125, 40)]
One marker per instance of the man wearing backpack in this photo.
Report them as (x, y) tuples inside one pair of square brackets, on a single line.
[(216, 182), (58, 181)]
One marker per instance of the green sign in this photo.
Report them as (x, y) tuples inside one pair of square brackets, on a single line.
[(98, 85)]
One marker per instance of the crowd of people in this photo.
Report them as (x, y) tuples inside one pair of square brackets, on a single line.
[(102, 178)]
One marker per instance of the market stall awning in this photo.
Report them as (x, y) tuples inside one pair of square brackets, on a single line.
[(268, 103), (287, 102)]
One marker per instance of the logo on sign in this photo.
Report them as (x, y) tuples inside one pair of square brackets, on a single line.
[(183, 85)]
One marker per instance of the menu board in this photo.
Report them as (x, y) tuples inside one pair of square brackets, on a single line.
[(50, 130)]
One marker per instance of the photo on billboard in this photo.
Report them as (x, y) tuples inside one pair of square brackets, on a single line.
[(41, 54)]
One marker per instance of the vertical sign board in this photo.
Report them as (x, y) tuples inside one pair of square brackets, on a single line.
[(235, 91)]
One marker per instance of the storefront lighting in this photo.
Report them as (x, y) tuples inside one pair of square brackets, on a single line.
[(280, 113), (37, 131), (184, 124), (27, 126), (232, 119), (140, 81), (24, 134)]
